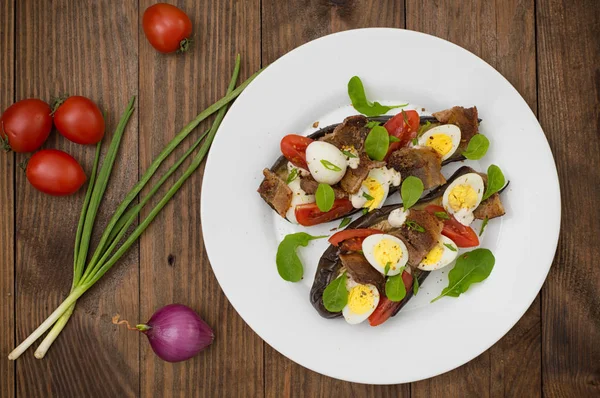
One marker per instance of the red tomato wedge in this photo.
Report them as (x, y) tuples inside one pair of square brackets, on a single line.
[(462, 235), (399, 128), (341, 236), (293, 148), (386, 307), (309, 214)]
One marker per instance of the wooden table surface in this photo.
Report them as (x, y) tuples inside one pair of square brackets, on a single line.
[(548, 49)]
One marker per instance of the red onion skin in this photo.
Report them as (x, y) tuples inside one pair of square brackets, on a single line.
[(177, 333)]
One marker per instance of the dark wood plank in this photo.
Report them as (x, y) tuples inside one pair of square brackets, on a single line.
[(7, 213), (287, 25), (504, 36), (90, 49), (569, 80), (174, 266)]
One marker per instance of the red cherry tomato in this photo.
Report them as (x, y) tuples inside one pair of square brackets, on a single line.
[(26, 124), (167, 28), (309, 214), (55, 172), (341, 236), (462, 235), (399, 128), (386, 307), (79, 120), (293, 148)]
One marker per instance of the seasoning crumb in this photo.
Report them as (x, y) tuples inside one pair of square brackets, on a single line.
[(316, 124), (422, 109)]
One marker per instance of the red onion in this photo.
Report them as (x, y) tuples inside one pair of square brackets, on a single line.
[(175, 332)]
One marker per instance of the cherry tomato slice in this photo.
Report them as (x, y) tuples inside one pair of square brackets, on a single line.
[(309, 214), (293, 148), (341, 236), (462, 235), (386, 307), (399, 128)]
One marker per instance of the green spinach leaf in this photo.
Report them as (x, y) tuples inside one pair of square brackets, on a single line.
[(477, 148), (377, 143), (495, 181), (324, 197), (356, 92), (373, 123), (394, 287), (472, 267), (289, 265), (415, 285), (411, 191), (335, 295)]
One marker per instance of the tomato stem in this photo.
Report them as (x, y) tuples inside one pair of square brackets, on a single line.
[(184, 45), (57, 102)]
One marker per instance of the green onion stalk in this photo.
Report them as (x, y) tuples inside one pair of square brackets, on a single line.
[(110, 249)]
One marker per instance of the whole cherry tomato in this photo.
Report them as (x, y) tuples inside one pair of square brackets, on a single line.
[(25, 125), (79, 120), (167, 28), (55, 172)]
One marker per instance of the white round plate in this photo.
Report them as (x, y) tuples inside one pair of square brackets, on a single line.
[(241, 232)]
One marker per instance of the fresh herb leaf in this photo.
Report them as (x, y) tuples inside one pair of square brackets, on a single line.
[(387, 268), (411, 191), (330, 166), (415, 285), (415, 141), (394, 287), (345, 222), (449, 246), (394, 139), (292, 176), (483, 225), (349, 154), (365, 210), (324, 197), (413, 225), (356, 92), (289, 265), (373, 123), (405, 118), (367, 196), (377, 143), (495, 181), (423, 128), (477, 148), (442, 215), (472, 267), (335, 295)]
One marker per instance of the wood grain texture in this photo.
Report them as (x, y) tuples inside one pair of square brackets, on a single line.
[(503, 34), (90, 49), (174, 267), (569, 80), (287, 25), (7, 209)]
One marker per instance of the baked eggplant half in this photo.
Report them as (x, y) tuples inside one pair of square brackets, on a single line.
[(342, 157), (416, 241)]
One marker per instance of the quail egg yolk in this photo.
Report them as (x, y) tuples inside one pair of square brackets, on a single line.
[(434, 255), (386, 251), (376, 191), (462, 197), (442, 143), (360, 299)]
